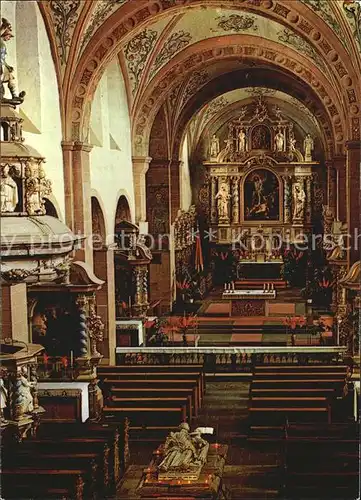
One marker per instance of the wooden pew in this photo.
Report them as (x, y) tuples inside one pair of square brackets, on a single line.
[(103, 371), (159, 402), (147, 416), (73, 446), (165, 383), (156, 392), (43, 483)]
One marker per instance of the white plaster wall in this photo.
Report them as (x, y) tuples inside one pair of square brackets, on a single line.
[(185, 180), (111, 163), (29, 52)]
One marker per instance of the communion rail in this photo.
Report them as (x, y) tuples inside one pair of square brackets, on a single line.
[(229, 359)]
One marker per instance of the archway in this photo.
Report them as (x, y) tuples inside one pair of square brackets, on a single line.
[(123, 211)]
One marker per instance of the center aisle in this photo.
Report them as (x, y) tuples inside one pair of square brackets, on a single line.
[(251, 471)]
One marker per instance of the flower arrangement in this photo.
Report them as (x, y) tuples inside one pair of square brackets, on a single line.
[(294, 322)]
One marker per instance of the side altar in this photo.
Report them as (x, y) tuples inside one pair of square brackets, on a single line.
[(260, 186)]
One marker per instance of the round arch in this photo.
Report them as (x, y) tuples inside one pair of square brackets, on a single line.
[(99, 232), (130, 18), (276, 59), (122, 211)]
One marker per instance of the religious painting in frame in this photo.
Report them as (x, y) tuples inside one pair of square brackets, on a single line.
[(261, 196)]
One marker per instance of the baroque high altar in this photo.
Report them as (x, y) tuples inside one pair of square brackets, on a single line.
[(261, 181)]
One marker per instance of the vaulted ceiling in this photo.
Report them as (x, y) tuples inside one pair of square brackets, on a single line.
[(182, 53)]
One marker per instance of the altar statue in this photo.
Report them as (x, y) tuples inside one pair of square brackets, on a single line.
[(184, 452), (299, 201), (223, 197), (241, 141), (279, 142), (8, 191), (214, 150), (308, 146)]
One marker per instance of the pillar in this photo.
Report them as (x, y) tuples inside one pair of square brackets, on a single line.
[(82, 303), (287, 199), (76, 156), (332, 187), (141, 303), (213, 200), (308, 183), (140, 168), (235, 200), (339, 164), (353, 203), (104, 269), (14, 314)]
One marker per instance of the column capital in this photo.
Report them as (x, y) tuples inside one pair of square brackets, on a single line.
[(141, 164), (76, 146)]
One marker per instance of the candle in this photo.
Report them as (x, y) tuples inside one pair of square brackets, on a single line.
[(71, 359)]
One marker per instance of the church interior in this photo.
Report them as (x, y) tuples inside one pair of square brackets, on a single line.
[(180, 249)]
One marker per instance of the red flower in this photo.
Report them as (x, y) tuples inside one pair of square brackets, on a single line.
[(46, 358), (64, 361)]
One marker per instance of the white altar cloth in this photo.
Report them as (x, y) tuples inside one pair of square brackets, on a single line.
[(266, 294), (82, 386)]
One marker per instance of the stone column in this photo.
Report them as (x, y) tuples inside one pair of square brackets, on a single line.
[(141, 303), (140, 168), (353, 202), (235, 200), (76, 156), (213, 200), (308, 209), (82, 303), (287, 199)]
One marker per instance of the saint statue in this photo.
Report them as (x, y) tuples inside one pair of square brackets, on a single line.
[(184, 451), (279, 141), (223, 197), (308, 146), (8, 191), (6, 71), (299, 201), (241, 141), (215, 146), (24, 398)]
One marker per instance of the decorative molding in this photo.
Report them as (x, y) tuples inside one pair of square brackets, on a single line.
[(323, 9), (65, 15), (136, 53), (235, 22), (102, 10), (301, 45), (176, 42)]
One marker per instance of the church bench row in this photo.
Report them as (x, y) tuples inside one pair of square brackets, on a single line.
[(168, 383), (44, 484), (98, 451), (301, 368), (160, 402), (144, 416), (196, 369)]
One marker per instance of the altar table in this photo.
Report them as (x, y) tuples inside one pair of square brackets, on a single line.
[(206, 487)]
